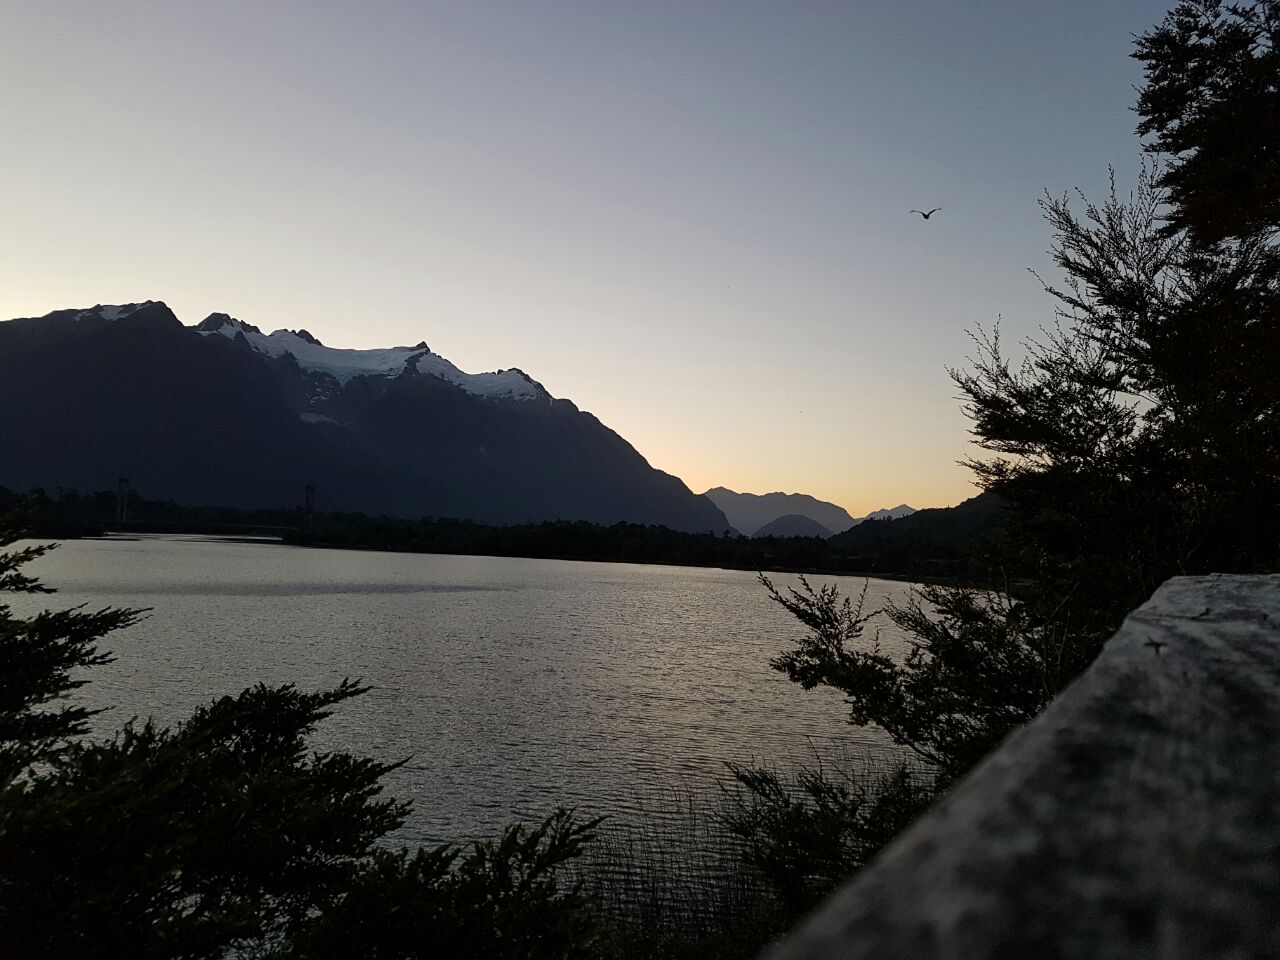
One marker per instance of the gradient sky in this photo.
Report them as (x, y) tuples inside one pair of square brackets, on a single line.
[(689, 218)]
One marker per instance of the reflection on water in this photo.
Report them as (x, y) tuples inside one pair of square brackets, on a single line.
[(514, 685)]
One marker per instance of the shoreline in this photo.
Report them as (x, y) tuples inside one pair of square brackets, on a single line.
[(775, 568)]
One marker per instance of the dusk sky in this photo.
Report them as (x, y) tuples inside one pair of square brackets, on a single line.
[(689, 218)]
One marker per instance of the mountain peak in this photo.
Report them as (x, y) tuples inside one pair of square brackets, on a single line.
[(306, 336), (793, 525), (123, 311), (890, 513), (225, 324), (751, 512)]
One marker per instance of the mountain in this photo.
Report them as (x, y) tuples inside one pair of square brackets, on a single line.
[(793, 525), (891, 513), (941, 533), (748, 512), (224, 414)]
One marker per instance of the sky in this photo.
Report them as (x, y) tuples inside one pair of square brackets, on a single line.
[(689, 218)]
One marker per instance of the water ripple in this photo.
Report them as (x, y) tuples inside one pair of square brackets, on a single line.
[(514, 685)]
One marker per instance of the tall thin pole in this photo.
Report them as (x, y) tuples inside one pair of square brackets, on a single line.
[(122, 500), (308, 507)]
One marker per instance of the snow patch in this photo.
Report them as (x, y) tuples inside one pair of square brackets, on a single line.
[(109, 312)]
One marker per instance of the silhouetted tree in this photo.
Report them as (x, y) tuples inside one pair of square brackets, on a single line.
[(804, 834), (40, 660), (1136, 439), (975, 670), (1210, 100), (503, 899), (1140, 437)]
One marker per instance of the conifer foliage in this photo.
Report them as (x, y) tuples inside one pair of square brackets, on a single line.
[(1211, 99)]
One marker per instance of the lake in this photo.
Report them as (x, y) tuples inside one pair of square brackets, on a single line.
[(513, 685)]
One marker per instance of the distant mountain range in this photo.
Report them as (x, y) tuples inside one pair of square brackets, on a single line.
[(782, 514), (224, 414)]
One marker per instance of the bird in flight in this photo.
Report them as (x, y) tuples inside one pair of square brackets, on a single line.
[(926, 215)]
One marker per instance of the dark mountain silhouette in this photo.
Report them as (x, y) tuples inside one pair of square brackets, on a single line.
[(225, 415), (888, 513), (941, 533), (793, 525)]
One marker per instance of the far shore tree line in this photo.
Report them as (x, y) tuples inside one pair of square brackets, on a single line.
[(930, 545), (1136, 439)]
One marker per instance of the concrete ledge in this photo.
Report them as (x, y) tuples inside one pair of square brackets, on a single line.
[(1139, 816)]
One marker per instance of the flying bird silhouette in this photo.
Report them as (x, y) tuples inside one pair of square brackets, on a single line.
[(926, 215)]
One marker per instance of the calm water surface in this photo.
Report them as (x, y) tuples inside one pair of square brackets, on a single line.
[(514, 685)]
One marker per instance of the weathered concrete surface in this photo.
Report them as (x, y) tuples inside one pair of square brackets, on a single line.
[(1139, 816)]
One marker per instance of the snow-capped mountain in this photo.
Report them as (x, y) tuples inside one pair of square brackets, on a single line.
[(223, 414), (342, 365), (119, 312)]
